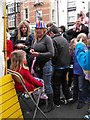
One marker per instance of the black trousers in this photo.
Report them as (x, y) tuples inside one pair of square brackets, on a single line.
[(58, 79)]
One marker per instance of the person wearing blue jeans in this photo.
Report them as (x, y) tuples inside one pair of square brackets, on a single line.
[(47, 76), (43, 50), (83, 60), (78, 83)]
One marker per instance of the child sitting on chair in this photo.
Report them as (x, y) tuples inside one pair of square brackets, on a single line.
[(18, 59)]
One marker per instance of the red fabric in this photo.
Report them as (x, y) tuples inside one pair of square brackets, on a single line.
[(30, 81), (9, 47)]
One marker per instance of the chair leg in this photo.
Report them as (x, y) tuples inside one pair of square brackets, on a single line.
[(37, 107), (33, 96)]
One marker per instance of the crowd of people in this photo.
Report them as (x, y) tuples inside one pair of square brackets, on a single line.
[(53, 54)]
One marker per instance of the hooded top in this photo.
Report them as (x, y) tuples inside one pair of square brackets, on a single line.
[(83, 59)]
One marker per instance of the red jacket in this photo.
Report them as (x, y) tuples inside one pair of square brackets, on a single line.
[(30, 81), (9, 47)]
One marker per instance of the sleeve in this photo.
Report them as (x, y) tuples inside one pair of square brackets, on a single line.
[(50, 48), (31, 79), (9, 47), (83, 57)]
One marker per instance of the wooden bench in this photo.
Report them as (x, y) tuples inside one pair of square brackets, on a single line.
[(9, 104)]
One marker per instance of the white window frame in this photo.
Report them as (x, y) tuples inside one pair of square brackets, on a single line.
[(11, 21), (38, 15), (11, 8), (38, 1)]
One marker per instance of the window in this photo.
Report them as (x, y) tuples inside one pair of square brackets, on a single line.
[(17, 7), (11, 8), (26, 13), (38, 15), (71, 4), (38, 1), (11, 21), (53, 15), (71, 16), (71, 19)]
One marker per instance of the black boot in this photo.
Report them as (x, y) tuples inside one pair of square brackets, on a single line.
[(50, 104)]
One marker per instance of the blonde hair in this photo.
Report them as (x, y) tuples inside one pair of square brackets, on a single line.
[(17, 59), (82, 36), (71, 47), (36, 35), (19, 28)]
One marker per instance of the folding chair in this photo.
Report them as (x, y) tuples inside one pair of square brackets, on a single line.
[(18, 77)]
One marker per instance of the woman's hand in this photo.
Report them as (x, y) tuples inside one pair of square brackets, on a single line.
[(20, 45), (33, 53)]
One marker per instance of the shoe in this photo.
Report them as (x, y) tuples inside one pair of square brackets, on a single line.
[(25, 95), (87, 117), (80, 105), (44, 96), (58, 106), (63, 101), (70, 100)]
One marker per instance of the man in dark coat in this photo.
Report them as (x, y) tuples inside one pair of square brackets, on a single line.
[(60, 64), (77, 29)]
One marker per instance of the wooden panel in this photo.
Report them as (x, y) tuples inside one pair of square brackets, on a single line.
[(15, 109), (8, 95), (4, 80), (7, 87), (9, 104), (18, 113)]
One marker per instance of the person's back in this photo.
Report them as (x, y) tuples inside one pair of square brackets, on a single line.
[(63, 51), (60, 66)]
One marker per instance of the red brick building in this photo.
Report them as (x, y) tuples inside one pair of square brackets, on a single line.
[(31, 10), (34, 10)]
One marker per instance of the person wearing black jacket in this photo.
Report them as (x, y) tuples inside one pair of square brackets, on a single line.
[(23, 39), (60, 65), (62, 31), (78, 28)]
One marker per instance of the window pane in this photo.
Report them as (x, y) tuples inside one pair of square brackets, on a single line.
[(38, 15), (26, 13)]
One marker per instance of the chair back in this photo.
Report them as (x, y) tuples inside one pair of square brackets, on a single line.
[(16, 76)]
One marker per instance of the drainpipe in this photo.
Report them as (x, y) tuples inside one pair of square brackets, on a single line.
[(15, 12), (58, 13)]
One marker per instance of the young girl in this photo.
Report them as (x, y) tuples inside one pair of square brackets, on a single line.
[(18, 59)]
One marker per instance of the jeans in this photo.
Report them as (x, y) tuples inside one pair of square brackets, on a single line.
[(78, 82), (58, 79), (47, 76)]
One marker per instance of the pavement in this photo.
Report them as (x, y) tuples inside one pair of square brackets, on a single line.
[(69, 111)]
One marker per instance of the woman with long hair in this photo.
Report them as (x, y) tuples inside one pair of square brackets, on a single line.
[(43, 50)]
